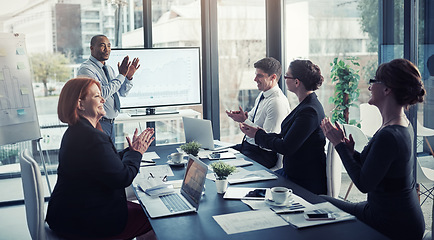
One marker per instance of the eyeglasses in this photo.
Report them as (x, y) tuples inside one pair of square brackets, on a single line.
[(373, 80), (288, 77)]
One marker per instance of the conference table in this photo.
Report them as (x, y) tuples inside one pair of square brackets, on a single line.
[(201, 225)]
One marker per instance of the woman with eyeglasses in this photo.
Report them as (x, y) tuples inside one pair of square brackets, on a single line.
[(301, 141), (385, 168)]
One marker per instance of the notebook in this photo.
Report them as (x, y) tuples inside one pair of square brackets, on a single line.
[(187, 200), (200, 130)]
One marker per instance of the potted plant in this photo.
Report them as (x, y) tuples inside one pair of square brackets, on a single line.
[(346, 89), (191, 148), (222, 171)]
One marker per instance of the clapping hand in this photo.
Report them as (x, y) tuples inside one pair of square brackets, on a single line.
[(238, 116), (128, 68), (335, 134), (248, 130), (141, 143), (133, 68)]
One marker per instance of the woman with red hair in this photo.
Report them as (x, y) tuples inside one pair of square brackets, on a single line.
[(89, 200)]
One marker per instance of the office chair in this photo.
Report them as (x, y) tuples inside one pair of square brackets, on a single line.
[(370, 119), (333, 171), (425, 132), (279, 163), (360, 140), (425, 178), (34, 198)]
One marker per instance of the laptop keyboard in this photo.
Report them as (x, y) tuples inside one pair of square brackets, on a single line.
[(174, 203)]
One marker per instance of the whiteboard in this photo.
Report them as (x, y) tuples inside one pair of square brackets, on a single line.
[(18, 116)]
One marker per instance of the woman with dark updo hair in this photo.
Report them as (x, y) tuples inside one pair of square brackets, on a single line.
[(385, 168), (301, 141)]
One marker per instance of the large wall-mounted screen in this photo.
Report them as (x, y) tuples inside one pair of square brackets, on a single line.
[(166, 77)]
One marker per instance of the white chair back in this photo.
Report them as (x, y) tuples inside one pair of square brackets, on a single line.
[(360, 139), (333, 171), (34, 198), (370, 118), (279, 163)]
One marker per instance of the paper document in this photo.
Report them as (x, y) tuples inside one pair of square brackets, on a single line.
[(249, 221), (154, 187), (242, 175), (295, 204), (250, 176), (239, 162), (150, 156), (159, 171), (299, 221)]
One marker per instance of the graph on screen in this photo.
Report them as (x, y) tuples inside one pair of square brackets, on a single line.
[(166, 77)]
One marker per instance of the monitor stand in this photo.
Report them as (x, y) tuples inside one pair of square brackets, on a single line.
[(152, 111)]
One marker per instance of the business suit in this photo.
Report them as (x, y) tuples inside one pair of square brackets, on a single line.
[(301, 141), (89, 196)]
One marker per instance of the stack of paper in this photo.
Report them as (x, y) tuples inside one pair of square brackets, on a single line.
[(299, 220), (154, 187)]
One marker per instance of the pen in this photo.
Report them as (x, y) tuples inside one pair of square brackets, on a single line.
[(220, 151), (298, 211), (151, 175), (164, 178)]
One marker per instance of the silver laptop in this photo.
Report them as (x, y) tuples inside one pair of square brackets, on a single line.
[(200, 130), (187, 200)]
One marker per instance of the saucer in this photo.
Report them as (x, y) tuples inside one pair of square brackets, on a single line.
[(284, 204), (184, 161)]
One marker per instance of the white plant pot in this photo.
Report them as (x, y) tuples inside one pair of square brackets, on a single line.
[(221, 185)]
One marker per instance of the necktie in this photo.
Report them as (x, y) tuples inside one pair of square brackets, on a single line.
[(115, 96), (253, 118), (256, 109)]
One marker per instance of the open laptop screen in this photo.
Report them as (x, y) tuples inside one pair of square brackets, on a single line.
[(194, 180)]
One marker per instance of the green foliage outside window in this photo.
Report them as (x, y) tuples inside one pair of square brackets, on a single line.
[(50, 66)]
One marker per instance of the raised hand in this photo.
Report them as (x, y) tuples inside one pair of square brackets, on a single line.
[(124, 66), (248, 130), (238, 116), (333, 133), (133, 68), (141, 143)]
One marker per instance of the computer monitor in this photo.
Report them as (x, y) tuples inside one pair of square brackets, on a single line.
[(166, 77)]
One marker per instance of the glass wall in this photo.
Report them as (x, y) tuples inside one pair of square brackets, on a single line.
[(241, 42), (319, 30), (322, 30), (426, 66), (57, 42), (175, 24)]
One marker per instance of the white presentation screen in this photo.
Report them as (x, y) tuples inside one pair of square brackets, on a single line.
[(166, 77)]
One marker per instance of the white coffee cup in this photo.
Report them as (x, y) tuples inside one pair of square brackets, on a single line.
[(176, 157), (280, 194)]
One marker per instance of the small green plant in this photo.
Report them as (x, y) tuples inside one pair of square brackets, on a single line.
[(222, 170), (346, 89), (191, 148)]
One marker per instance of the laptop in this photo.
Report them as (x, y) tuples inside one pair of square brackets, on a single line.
[(200, 130), (187, 200)]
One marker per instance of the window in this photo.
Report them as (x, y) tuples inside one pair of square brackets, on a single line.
[(322, 30), (426, 66), (241, 33)]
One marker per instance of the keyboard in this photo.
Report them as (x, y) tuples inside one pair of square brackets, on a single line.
[(174, 203)]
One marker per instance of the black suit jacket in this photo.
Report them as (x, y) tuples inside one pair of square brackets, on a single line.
[(301, 141), (89, 197)]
